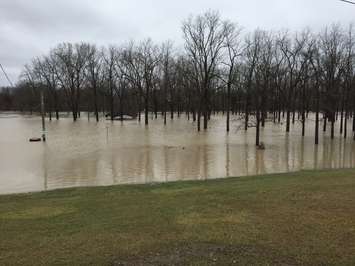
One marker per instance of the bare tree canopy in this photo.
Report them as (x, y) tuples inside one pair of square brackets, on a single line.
[(258, 77)]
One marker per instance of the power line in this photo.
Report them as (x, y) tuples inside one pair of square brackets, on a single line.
[(7, 77), (346, 1)]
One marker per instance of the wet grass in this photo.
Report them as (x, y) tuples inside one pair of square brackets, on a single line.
[(304, 218)]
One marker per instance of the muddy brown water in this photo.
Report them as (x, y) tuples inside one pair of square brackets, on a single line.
[(98, 154)]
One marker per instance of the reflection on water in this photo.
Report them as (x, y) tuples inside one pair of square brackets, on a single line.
[(89, 154)]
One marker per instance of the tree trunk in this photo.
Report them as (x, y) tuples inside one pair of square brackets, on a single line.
[(303, 110), (56, 105), (228, 105), (246, 124), (146, 111), (112, 111), (257, 136), (317, 119), (96, 105)]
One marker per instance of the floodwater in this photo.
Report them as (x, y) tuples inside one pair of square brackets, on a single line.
[(87, 153)]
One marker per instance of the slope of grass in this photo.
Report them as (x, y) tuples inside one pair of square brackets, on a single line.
[(286, 219)]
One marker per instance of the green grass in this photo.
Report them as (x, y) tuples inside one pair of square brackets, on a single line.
[(304, 218)]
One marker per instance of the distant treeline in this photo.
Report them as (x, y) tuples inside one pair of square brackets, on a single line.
[(261, 75)]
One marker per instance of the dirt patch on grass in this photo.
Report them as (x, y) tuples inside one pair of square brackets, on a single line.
[(37, 212), (210, 254), (199, 218)]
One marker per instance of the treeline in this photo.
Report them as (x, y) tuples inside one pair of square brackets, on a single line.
[(261, 76), (6, 99)]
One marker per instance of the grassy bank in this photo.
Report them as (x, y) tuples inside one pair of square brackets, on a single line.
[(289, 219)]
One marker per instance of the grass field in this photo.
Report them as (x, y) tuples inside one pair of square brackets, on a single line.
[(304, 218)]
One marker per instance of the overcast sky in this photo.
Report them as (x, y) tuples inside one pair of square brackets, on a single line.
[(29, 28)]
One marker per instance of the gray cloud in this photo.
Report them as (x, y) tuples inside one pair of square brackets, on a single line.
[(31, 28)]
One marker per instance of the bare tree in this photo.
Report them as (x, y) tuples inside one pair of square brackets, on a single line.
[(110, 59), (71, 62), (233, 50), (139, 65), (166, 69), (94, 75), (291, 50), (251, 55), (204, 38), (331, 45)]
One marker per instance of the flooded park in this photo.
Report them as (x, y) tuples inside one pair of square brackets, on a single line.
[(86, 153), (177, 133)]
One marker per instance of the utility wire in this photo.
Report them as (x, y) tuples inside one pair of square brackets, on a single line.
[(7, 77), (346, 1)]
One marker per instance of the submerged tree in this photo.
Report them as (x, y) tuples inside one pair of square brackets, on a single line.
[(204, 38)]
